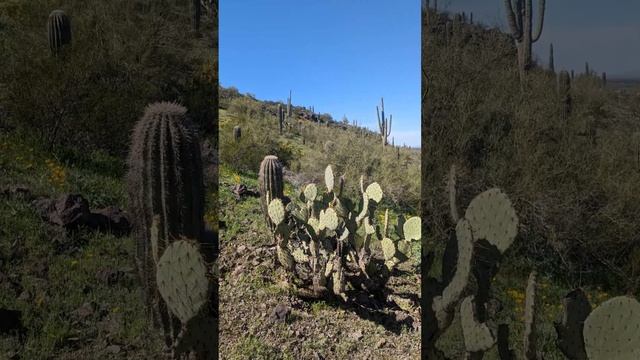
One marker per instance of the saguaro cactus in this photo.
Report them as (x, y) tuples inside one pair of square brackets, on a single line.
[(289, 105), (383, 123), (166, 192), (59, 30), (237, 132), (196, 13), (520, 17), (604, 79), (552, 67), (271, 183), (564, 93), (280, 118)]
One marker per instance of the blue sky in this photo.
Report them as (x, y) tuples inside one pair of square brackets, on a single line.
[(607, 36), (339, 56)]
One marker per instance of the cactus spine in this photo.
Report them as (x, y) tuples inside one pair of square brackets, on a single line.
[(564, 93), (237, 133), (520, 18), (271, 183), (383, 123), (166, 192), (59, 30)]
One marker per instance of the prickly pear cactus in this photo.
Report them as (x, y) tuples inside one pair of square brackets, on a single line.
[(478, 337), (182, 279), (486, 231), (185, 284), (612, 330), (493, 218), (59, 30), (327, 241)]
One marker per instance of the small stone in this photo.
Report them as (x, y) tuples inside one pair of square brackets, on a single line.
[(113, 349), (25, 296), (356, 335), (84, 311), (280, 313), (241, 249), (380, 343)]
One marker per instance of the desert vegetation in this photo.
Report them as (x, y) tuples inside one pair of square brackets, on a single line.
[(544, 257), (319, 234), (86, 88)]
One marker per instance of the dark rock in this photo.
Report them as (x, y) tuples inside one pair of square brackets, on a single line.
[(71, 211), (110, 219), (84, 311), (280, 313), (109, 276), (241, 190), (68, 211)]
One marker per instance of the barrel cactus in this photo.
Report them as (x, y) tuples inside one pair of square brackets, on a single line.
[(237, 133), (166, 193), (271, 184), (59, 30)]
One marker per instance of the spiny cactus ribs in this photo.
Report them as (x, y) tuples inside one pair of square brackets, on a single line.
[(271, 184), (325, 241), (166, 193), (59, 30)]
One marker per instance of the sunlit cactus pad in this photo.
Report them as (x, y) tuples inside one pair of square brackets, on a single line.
[(612, 331), (182, 279), (493, 218)]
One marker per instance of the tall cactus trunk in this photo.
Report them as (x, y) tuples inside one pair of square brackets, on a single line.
[(196, 13), (520, 18), (166, 194)]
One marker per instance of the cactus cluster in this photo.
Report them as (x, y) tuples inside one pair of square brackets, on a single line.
[(166, 192), (487, 230), (326, 241), (58, 30)]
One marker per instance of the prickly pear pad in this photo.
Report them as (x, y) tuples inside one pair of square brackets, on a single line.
[(182, 279), (493, 218), (612, 330)]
